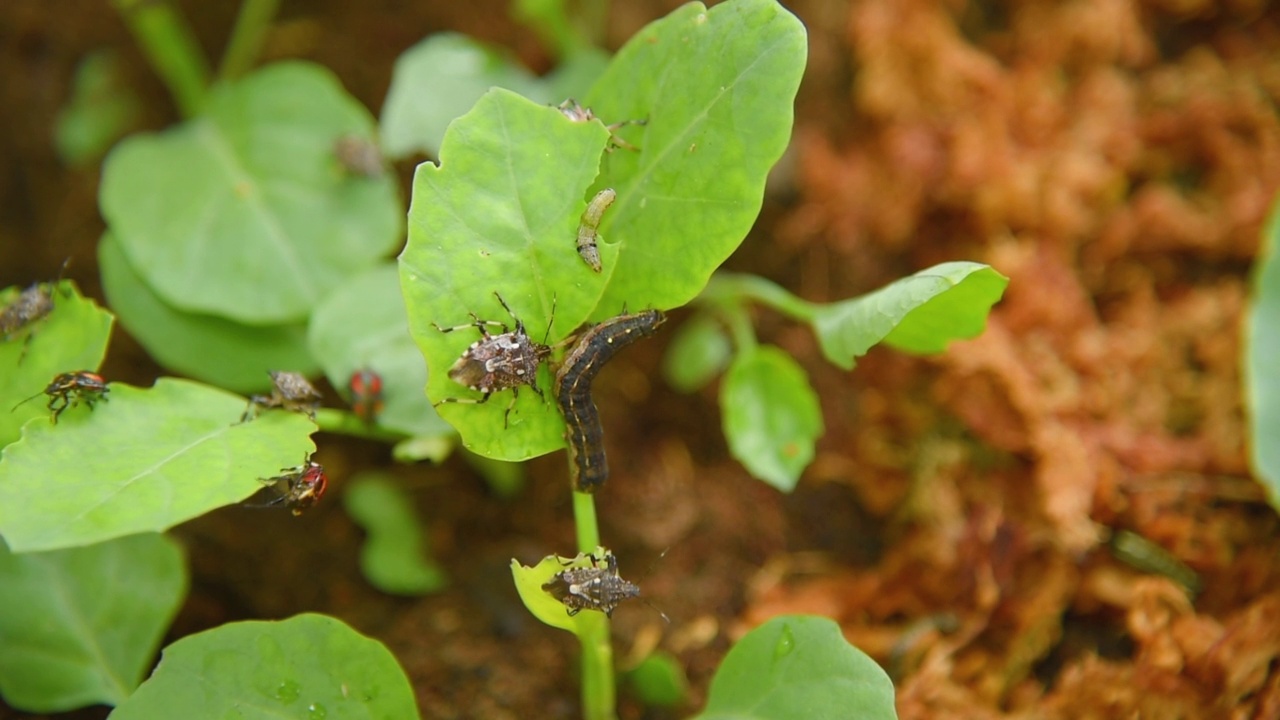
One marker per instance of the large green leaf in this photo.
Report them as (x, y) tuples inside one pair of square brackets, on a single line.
[(716, 87), (919, 314), (245, 212), (307, 667), (78, 626), (1261, 361), (209, 348), (798, 667), (363, 325), (771, 415), (500, 211), (145, 460), (72, 337)]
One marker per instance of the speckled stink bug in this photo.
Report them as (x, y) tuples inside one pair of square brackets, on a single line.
[(591, 588), (32, 305), (72, 388), (290, 391), (499, 362)]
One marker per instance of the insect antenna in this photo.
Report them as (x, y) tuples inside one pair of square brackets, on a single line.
[(647, 572), (24, 402), (547, 335)]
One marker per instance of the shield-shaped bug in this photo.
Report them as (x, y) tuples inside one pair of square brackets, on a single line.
[(32, 305), (71, 389), (588, 227), (366, 394), (290, 390), (598, 587), (499, 362), (298, 488), (577, 113)]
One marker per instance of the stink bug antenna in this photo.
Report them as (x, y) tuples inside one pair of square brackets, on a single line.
[(645, 576), (547, 335), (24, 402)]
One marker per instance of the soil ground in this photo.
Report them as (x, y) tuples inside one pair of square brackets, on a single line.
[(1114, 158)]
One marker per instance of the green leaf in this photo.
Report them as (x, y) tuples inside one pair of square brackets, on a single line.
[(393, 557), (918, 314), (363, 324), (78, 627), (307, 667), (1261, 361), (771, 415), (798, 667), (659, 680), (529, 582), (144, 461), (499, 214), (213, 349), (438, 80), (246, 212), (698, 353), (101, 108), (716, 87), (72, 337)]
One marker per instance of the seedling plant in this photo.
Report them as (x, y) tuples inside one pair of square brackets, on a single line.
[(580, 224)]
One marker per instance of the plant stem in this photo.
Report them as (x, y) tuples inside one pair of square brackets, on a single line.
[(172, 50), (252, 25), (599, 698), (731, 287)]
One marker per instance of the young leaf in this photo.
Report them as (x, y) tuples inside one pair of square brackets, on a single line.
[(659, 680), (438, 80), (72, 337), (245, 212), (1261, 364), (499, 214), (78, 627), (699, 351), (771, 415), (716, 88), (309, 666), (144, 460), (101, 108), (209, 348), (363, 324), (393, 557), (918, 314), (798, 667)]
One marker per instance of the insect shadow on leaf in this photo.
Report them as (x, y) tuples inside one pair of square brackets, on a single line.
[(499, 362)]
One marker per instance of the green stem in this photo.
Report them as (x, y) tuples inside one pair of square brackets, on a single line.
[(341, 422), (171, 48), (252, 25), (730, 288), (599, 696)]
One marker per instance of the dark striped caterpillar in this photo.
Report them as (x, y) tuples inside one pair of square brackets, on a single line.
[(588, 227), (585, 436)]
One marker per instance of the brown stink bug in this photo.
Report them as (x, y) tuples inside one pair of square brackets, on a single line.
[(299, 488), (598, 587), (32, 305), (499, 362), (577, 113), (72, 388), (290, 391)]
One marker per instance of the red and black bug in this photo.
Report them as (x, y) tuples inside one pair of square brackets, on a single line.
[(298, 488), (366, 394), (598, 587), (588, 227), (32, 305), (71, 389), (290, 391), (577, 113), (499, 362), (585, 436)]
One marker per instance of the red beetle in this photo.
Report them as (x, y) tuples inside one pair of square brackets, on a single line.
[(71, 389)]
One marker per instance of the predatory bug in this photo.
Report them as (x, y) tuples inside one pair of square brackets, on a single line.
[(577, 113), (32, 305), (290, 391), (499, 362), (366, 394), (584, 435), (588, 227), (72, 388), (298, 488)]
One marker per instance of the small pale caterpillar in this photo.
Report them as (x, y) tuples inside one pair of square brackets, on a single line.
[(588, 228)]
